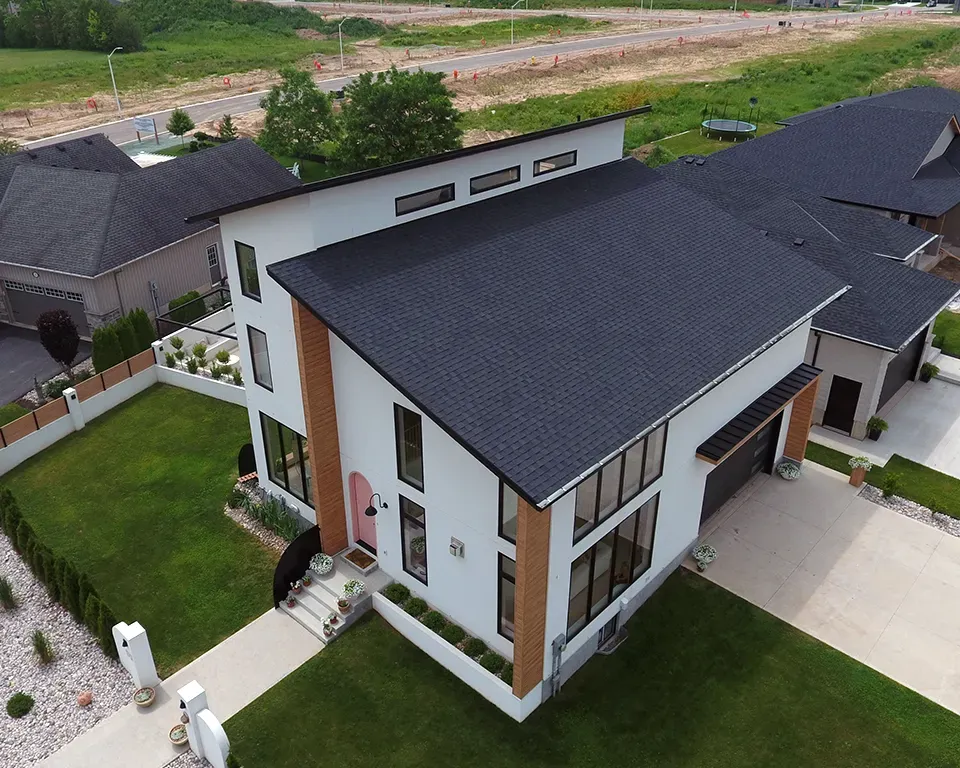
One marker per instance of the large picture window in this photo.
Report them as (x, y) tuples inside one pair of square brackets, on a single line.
[(409, 431), (288, 458), (247, 265), (607, 568), (508, 513), (413, 531), (260, 357), (618, 481), (507, 595)]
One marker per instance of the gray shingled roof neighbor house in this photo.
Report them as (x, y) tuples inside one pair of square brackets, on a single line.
[(89, 221), (887, 303), (548, 327), (871, 152)]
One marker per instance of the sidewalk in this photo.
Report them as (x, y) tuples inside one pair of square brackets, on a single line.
[(234, 673)]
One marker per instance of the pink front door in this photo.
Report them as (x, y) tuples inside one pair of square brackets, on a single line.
[(364, 528)]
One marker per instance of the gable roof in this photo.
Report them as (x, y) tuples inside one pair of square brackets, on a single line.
[(91, 153), (547, 328), (862, 154), (86, 223), (887, 303)]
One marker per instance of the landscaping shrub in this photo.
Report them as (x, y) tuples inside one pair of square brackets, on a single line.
[(272, 512), (105, 626), (42, 647), (235, 498), (8, 601), (143, 329), (19, 705), (127, 337), (216, 371), (84, 591), (453, 634), (170, 360), (107, 351), (238, 378), (54, 389), (415, 606), (474, 647), (91, 614), (226, 370), (938, 342), (70, 591), (492, 662), (183, 311), (396, 593), (177, 343), (24, 538), (891, 485), (192, 365), (232, 761), (506, 674), (223, 356), (434, 620), (199, 350)]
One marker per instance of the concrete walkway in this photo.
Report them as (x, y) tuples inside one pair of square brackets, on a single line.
[(233, 673), (872, 583)]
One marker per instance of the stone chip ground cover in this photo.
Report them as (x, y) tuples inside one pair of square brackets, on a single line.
[(79, 666)]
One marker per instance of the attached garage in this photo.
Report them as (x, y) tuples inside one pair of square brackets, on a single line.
[(902, 368), (28, 301)]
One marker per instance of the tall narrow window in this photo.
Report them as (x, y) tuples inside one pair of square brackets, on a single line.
[(507, 592), (260, 357), (643, 544), (585, 511), (288, 460), (653, 464), (609, 488), (633, 470), (247, 265), (508, 513), (579, 593), (413, 531), (409, 446)]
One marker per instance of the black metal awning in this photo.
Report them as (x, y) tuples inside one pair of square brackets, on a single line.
[(726, 440)]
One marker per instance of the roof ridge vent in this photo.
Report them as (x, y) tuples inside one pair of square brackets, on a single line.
[(689, 159), (701, 160), (798, 241)]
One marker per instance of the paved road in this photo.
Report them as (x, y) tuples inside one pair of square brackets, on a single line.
[(122, 131), (25, 358)]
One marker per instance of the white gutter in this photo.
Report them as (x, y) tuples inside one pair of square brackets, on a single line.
[(689, 401)]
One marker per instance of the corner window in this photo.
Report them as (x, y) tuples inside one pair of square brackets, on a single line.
[(493, 180), (506, 596), (260, 357), (288, 458), (413, 531), (247, 265), (409, 434), (555, 163), (508, 513), (426, 199)]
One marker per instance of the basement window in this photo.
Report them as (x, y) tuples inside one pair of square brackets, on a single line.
[(555, 163), (494, 180), (426, 199)]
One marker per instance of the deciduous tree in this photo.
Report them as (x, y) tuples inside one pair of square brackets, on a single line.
[(179, 123), (299, 116), (58, 334)]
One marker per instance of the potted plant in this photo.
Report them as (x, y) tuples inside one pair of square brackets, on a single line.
[(859, 466), (296, 587), (327, 629), (333, 619), (875, 427), (306, 580), (291, 601), (353, 588), (144, 697), (928, 371), (343, 605), (321, 564), (788, 470), (178, 734), (704, 554)]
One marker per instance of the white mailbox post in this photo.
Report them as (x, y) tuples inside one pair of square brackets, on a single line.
[(207, 738), (133, 648)]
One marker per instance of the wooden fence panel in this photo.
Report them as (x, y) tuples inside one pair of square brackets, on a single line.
[(140, 363), (115, 375), (89, 388), (19, 428), (51, 412)]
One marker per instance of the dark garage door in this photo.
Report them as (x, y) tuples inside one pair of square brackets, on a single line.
[(755, 455), (902, 368), (28, 301)]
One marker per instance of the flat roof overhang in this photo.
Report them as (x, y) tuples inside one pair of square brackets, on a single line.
[(745, 424)]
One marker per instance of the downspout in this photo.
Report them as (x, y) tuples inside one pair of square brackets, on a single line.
[(116, 283), (816, 349)]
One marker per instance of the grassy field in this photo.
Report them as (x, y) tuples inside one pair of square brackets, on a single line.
[(11, 411), (135, 500), (660, 5), (947, 327), (494, 32), (784, 86), (705, 680)]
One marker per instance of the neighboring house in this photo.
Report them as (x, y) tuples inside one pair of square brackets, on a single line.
[(85, 229), (897, 153), (533, 347), (870, 342)]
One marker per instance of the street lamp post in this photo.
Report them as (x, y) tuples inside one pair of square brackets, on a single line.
[(113, 79), (340, 35), (511, 16)]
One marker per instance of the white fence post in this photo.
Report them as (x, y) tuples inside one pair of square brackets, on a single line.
[(159, 354), (207, 737), (133, 648), (74, 409)]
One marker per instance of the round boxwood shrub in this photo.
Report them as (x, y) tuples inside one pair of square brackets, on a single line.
[(396, 593), (415, 606), (452, 634), (434, 620), (492, 662), (19, 705), (474, 647), (506, 674)]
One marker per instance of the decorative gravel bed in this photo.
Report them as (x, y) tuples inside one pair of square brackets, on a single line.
[(912, 510), (263, 534), (188, 760), (79, 665), (36, 402)]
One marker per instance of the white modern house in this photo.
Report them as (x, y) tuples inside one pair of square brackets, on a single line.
[(542, 365)]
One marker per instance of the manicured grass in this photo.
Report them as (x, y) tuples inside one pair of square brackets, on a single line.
[(705, 679), (947, 327), (494, 32), (10, 412), (783, 85), (918, 483), (136, 501), (310, 170), (692, 143)]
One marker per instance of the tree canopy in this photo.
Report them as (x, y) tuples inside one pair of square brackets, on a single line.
[(179, 123), (87, 25), (299, 116), (58, 334)]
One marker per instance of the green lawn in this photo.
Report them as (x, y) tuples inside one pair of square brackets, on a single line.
[(692, 143), (135, 500), (705, 680), (310, 170), (10, 412), (494, 32), (918, 483), (947, 327)]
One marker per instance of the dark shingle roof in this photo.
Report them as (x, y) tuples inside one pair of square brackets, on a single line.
[(859, 154), (922, 99), (92, 153), (546, 328), (87, 223)]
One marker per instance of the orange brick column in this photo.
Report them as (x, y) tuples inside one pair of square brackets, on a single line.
[(320, 415), (530, 602), (801, 417)]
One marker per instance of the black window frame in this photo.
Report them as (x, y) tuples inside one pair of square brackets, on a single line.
[(398, 411), (618, 464), (404, 515), (397, 200), (256, 267), (501, 575), (500, 531), (253, 360), (482, 176), (536, 163), (264, 426)]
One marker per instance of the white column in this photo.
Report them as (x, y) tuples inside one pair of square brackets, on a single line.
[(133, 648), (74, 408), (159, 353)]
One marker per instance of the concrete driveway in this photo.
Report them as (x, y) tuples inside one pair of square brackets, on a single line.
[(874, 584), (22, 357)]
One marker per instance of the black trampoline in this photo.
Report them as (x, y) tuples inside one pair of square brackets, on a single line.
[(724, 128)]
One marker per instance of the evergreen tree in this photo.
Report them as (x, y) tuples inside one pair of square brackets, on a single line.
[(91, 614), (105, 626), (24, 536), (127, 338), (227, 131), (107, 351), (142, 328), (70, 591)]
